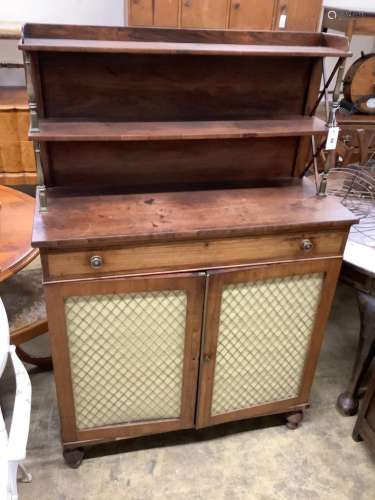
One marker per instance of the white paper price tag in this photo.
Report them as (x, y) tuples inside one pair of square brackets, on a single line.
[(282, 22), (333, 135)]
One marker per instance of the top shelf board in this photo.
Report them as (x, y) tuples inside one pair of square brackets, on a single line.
[(169, 41), (56, 45)]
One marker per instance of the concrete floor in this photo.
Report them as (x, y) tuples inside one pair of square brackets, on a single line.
[(258, 459)]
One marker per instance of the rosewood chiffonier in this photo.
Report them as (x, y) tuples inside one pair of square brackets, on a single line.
[(189, 267)]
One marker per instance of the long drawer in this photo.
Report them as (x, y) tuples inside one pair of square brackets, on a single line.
[(189, 255)]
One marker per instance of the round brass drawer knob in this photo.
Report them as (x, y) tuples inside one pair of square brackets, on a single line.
[(96, 261), (306, 245)]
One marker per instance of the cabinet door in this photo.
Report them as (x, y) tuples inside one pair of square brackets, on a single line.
[(262, 336), (125, 354), (204, 13), (251, 14)]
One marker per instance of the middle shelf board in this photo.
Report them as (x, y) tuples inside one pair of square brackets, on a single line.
[(63, 130)]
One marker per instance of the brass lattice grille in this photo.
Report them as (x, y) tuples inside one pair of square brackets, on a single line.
[(264, 332), (126, 353)]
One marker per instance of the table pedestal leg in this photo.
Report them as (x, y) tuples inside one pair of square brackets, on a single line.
[(26, 333), (348, 401)]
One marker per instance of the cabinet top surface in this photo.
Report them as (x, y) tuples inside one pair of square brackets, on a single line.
[(44, 37), (81, 221)]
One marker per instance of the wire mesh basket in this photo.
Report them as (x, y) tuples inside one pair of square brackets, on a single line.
[(354, 185)]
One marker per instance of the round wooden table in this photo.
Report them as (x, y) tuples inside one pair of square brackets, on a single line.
[(16, 222)]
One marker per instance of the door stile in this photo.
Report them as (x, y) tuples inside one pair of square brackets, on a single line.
[(194, 314), (61, 361), (312, 357), (211, 320)]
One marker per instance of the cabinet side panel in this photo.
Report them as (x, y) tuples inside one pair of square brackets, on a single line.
[(177, 164)]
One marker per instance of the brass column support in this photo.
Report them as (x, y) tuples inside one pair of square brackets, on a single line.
[(336, 95), (41, 188), (34, 119), (34, 127)]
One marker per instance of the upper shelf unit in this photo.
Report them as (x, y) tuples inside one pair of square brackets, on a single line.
[(166, 109), (41, 37), (66, 130)]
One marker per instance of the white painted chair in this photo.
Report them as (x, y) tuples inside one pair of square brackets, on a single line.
[(13, 445)]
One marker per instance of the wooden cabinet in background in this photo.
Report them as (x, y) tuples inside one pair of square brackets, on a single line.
[(204, 13), (141, 13), (227, 14), (301, 16), (251, 13), (166, 13), (17, 164)]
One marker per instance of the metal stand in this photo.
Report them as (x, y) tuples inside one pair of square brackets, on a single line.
[(330, 162), (331, 122)]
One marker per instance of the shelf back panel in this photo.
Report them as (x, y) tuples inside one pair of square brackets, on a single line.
[(143, 87), (161, 165)]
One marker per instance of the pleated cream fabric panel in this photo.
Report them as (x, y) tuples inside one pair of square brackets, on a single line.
[(264, 333), (126, 353)]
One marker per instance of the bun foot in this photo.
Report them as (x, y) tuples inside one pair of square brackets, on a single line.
[(294, 420), (347, 405), (73, 457)]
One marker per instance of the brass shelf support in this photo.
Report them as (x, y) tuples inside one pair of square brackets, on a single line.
[(34, 127)]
